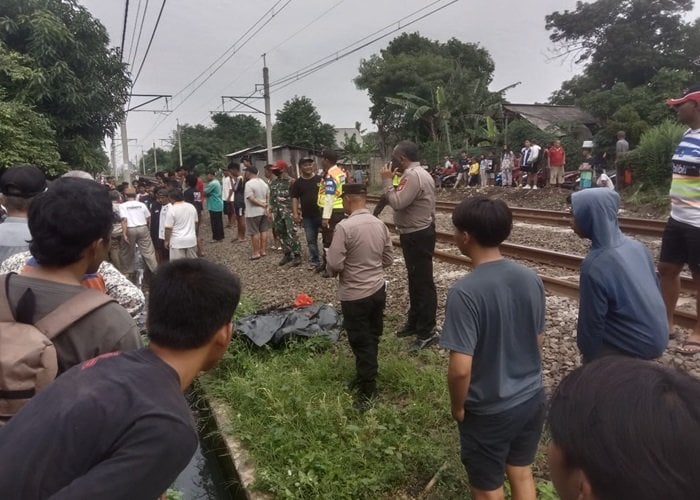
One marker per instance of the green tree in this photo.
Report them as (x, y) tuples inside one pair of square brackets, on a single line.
[(164, 157), (299, 123), (429, 73), (635, 54), (27, 137), (76, 80), (623, 41), (235, 132)]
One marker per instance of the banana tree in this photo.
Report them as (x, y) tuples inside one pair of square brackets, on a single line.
[(443, 114), (418, 109)]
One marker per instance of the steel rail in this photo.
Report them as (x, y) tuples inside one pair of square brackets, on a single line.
[(557, 286), (631, 225), (543, 256)]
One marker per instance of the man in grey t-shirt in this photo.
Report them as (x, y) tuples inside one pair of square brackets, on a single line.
[(494, 319)]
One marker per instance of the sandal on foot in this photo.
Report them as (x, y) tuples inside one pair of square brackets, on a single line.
[(254, 258), (689, 348)]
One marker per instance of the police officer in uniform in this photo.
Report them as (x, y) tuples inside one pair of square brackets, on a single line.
[(413, 201), (281, 205), (360, 251), (330, 192)]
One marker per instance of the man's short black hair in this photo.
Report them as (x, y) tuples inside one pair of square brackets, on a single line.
[(175, 194), (488, 221), (191, 180), (17, 203), (408, 149), (234, 166), (631, 426), (66, 218), (330, 155), (211, 172), (186, 285)]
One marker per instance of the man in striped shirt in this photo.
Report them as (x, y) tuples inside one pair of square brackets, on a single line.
[(681, 240)]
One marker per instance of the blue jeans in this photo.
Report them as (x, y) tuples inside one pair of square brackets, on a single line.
[(311, 227)]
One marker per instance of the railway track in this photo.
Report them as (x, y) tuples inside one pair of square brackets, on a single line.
[(630, 225), (557, 286), (543, 256)]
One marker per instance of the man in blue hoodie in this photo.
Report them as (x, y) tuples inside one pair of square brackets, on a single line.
[(621, 310)]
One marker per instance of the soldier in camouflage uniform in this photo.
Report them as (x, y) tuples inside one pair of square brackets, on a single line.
[(281, 205)]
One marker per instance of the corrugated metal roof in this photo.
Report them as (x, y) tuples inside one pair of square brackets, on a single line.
[(545, 116)]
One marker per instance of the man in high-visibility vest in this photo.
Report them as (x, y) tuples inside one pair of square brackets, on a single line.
[(330, 192)]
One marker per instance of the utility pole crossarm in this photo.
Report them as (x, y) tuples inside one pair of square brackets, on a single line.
[(153, 98), (238, 100)]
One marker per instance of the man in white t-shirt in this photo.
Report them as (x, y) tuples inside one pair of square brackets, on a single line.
[(227, 195), (135, 221), (257, 211), (181, 227)]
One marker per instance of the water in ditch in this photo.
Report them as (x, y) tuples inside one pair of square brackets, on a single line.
[(210, 474), (202, 479)]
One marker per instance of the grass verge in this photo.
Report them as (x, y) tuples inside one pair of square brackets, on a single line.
[(293, 413)]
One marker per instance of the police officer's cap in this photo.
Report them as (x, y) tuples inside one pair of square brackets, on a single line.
[(354, 189)]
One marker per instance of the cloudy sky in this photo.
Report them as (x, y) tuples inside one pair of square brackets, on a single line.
[(193, 34)]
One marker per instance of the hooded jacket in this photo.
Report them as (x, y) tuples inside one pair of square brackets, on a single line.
[(620, 299)]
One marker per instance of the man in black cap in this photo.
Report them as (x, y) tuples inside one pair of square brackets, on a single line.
[(360, 250), (20, 184)]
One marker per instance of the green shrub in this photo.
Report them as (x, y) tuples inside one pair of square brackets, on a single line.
[(651, 160)]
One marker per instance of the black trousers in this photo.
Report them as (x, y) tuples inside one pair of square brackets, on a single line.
[(327, 233), (217, 225), (418, 251), (363, 320)]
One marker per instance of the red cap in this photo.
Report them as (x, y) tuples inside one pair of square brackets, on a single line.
[(690, 94), (279, 165)]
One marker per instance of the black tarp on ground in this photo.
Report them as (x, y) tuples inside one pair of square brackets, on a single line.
[(277, 325)]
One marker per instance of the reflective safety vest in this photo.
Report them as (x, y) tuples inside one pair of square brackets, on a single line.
[(332, 183)]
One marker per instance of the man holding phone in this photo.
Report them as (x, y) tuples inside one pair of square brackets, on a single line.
[(413, 202)]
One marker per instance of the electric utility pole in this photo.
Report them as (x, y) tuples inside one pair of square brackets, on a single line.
[(113, 157), (179, 140), (268, 116), (155, 157), (125, 152)]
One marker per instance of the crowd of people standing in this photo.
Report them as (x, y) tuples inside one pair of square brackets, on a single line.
[(622, 426)]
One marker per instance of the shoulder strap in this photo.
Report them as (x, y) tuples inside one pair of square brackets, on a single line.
[(72, 310), (5, 309)]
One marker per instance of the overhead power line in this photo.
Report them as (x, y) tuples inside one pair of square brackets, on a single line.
[(148, 47), (354, 47), (126, 19), (245, 71), (225, 57), (133, 32), (232, 47)]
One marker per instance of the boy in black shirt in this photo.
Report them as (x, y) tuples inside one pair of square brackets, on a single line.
[(118, 426), (304, 193)]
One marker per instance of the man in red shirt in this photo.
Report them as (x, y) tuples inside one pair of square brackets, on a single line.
[(556, 159)]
